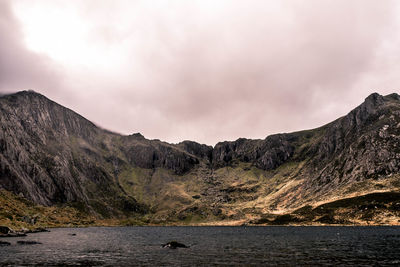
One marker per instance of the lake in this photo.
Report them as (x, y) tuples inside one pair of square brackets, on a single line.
[(273, 245)]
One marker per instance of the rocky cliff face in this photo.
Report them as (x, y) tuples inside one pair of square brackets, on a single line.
[(36, 159), (361, 146), (265, 154), (50, 154)]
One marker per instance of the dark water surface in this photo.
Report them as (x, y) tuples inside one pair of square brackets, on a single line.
[(127, 246)]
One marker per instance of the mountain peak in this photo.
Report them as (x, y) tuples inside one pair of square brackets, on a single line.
[(24, 94), (29, 91), (393, 96), (374, 99), (377, 99), (137, 135)]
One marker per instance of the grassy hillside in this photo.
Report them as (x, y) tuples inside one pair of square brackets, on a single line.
[(17, 212)]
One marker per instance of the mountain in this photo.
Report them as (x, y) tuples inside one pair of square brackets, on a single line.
[(344, 172)]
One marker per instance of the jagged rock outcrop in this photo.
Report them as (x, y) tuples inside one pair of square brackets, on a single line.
[(199, 150), (151, 154), (265, 154)]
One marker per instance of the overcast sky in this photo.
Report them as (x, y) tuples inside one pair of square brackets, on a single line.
[(202, 70)]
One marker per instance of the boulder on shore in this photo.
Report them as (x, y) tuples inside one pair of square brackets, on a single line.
[(5, 230)]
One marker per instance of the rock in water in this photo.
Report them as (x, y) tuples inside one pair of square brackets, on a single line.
[(2, 243), (174, 245)]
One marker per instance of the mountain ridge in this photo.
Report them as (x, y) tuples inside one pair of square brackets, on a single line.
[(52, 155)]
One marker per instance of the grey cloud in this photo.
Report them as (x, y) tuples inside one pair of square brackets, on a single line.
[(19, 68), (241, 69), (241, 75)]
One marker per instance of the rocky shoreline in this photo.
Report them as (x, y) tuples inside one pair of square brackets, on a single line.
[(6, 231)]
